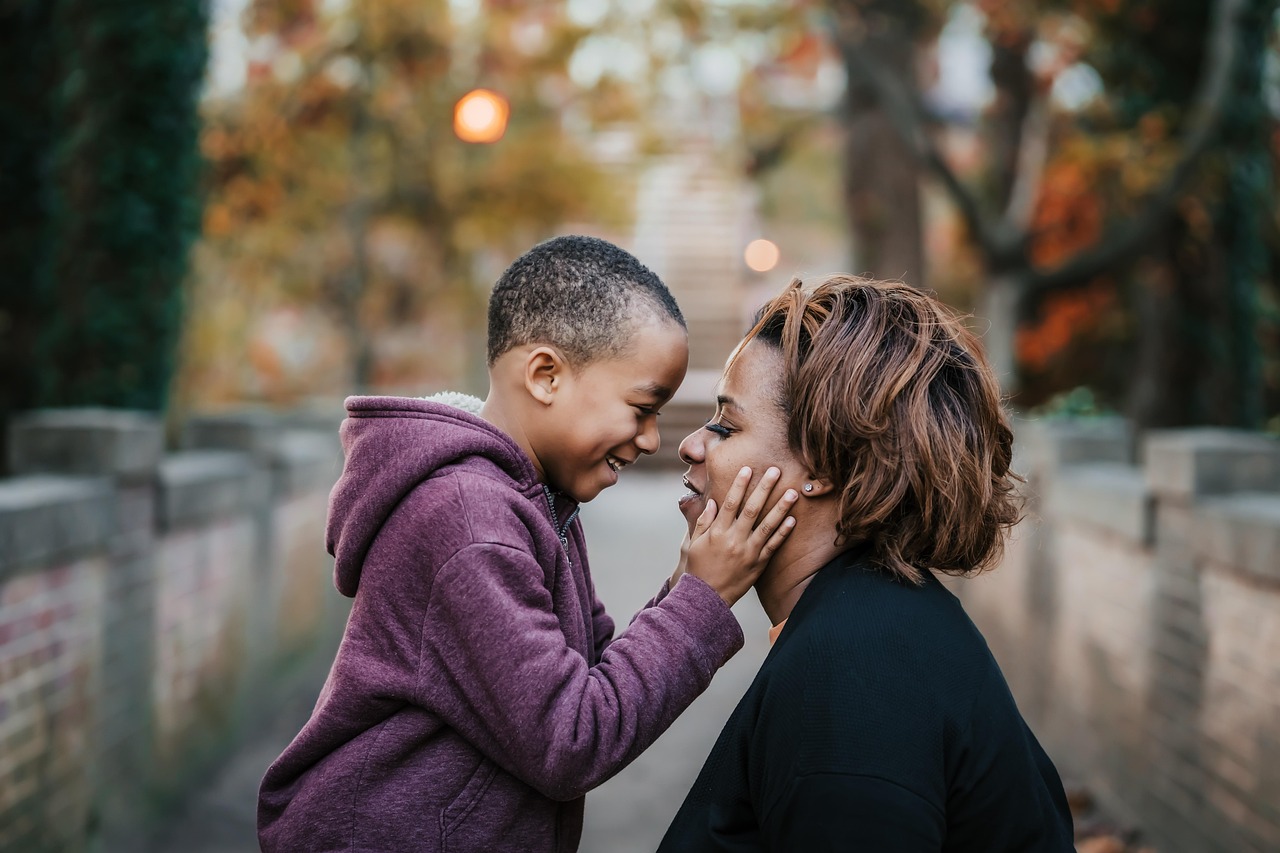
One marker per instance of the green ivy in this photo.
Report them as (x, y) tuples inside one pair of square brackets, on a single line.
[(107, 164)]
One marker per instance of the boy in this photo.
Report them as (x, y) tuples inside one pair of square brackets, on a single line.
[(477, 695)]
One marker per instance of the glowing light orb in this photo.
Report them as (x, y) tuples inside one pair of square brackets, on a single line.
[(762, 255), (481, 116)]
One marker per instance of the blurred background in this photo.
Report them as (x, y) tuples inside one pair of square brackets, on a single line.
[(220, 217)]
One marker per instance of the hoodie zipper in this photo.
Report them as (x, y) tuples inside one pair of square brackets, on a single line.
[(562, 530)]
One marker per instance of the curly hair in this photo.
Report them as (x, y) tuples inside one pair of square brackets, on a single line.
[(889, 397), (581, 294)]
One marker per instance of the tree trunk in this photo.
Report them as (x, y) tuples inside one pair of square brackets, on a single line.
[(1001, 309), (881, 177)]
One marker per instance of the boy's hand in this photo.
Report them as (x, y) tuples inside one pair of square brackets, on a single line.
[(730, 545)]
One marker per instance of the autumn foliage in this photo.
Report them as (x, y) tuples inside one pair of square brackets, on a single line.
[(349, 235)]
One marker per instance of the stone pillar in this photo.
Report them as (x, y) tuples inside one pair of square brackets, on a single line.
[(1045, 449), (121, 451), (1183, 468), (295, 608), (691, 221)]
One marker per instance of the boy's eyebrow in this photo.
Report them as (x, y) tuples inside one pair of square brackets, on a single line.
[(653, 389), (722, 401)]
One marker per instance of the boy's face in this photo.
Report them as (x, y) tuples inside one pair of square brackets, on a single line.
[(604, 415)]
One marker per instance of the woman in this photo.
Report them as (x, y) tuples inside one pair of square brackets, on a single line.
[(879, 721)]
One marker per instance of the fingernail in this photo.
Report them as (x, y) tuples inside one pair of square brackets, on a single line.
[(745, 472), (790, 522), (790, 495), (773, 472)]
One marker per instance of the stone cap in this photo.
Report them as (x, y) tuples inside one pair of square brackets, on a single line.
[(120, 443), (198, 486), (1108, 496), (304, 461), (1241, 531), (1047, 445), (251, 431), (46, 520), (1186, 463)]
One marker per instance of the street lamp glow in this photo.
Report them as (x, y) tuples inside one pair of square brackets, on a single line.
[(480, 116), (762, 255)]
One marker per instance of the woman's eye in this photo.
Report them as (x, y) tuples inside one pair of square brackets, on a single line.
[(718, 429)]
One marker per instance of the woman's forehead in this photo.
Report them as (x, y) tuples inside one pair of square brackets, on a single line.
[(750, 377)]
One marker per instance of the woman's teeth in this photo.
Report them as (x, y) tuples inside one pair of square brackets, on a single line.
[(615, 463)]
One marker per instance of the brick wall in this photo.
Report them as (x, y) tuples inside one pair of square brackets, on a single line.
[(152, 606), (1137, 618)]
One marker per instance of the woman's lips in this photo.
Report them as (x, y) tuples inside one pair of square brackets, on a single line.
[(690, 496)]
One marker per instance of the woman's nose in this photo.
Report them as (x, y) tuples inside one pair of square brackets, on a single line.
[(691, 449)]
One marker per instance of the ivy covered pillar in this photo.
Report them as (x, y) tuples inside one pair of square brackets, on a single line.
[(124, 171), (99, 164)]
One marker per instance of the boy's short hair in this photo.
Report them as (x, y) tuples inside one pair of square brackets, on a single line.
[(888, 394), (582, 295)]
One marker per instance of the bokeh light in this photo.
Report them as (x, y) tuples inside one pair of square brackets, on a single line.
[(481, 116), (762, 255)]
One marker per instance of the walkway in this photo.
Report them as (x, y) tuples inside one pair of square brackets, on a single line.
[(634, 531)]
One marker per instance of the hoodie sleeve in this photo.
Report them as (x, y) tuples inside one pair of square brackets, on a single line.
[(534, 705), (602, 626)]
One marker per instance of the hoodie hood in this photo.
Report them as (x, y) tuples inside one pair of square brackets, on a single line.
[(391, 445)]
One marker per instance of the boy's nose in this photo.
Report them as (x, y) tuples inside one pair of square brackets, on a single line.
[(691, 449), (648, 441)]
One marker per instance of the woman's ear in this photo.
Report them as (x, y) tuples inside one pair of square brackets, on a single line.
[(816, 487), (544, 371)]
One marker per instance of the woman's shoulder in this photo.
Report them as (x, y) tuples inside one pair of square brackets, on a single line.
[(859, 625)]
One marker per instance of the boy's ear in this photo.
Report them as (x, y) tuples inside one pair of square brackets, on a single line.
[(544, 372)]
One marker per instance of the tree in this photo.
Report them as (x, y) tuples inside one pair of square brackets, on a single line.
[(1228, 84), (99, 170), (338, 188)]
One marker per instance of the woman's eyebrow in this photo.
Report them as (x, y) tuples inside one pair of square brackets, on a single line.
[(722, 401)]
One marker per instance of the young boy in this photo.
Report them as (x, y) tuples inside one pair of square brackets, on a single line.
[(477, 696)]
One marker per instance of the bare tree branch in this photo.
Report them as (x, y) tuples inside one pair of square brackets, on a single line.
[(1033, 153), (908, 120), (1003, 239), (1221, 52)]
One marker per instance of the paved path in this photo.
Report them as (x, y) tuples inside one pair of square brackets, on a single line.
[(634, 532)]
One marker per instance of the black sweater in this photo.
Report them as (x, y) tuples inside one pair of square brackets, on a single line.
[(879, 722)]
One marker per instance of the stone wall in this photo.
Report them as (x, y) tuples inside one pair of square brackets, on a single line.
[(153, 607), (1137, 618)]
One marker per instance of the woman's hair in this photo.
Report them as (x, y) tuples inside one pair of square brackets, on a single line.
[(888, 396)]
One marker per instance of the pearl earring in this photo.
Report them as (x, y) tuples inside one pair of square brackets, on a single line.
[(808, 487)]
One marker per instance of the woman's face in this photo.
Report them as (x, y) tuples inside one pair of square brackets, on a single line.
[(748, 430)]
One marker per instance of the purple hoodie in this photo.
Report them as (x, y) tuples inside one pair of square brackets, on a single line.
[(476, 696)]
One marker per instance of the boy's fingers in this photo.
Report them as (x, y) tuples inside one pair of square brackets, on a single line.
[(773, 521), (776, 540), (704, 521), (754, 507), (729, 510)]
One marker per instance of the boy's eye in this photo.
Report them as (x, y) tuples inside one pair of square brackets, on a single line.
[(647, 411)]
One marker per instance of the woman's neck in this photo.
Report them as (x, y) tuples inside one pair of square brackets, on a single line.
[(793, 567)]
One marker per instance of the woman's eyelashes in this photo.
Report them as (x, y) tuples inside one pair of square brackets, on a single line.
[(719, 429)]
